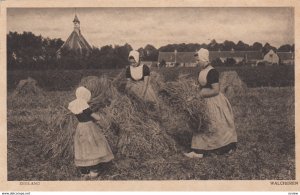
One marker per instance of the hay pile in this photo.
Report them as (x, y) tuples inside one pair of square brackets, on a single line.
[(133, 127), (186, 109), (130, 127), (231, 84), (27, 87)]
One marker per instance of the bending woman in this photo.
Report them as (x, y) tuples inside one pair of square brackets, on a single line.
[(220, 136), (138, 78)]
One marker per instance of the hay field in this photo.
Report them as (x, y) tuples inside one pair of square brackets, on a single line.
[(264, 120)]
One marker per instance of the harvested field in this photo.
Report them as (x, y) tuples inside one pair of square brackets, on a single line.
[(148, 143)]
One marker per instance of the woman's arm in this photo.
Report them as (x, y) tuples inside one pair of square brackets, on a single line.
[(95, 116), (146, 83), (207, 92)]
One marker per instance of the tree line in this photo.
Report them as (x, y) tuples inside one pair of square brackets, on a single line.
[(30, 52)]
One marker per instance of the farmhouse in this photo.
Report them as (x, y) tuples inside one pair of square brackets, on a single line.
[(286, 58), (171, 59), (271, 58), (149, 63), (76, 42), (238, 56), (186, 59)]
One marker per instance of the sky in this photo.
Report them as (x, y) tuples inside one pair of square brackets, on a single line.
[(159, 26)]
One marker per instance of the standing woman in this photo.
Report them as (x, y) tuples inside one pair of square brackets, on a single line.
[(138, 78), (90, 145), (220, 136)]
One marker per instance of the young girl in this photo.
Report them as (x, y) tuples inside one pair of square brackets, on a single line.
[(90, 145)]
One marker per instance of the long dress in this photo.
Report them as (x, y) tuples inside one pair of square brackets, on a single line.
[(90, 145), (221, 129), (136, 86)]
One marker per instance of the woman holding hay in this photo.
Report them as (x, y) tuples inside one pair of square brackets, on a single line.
[(90, 145), (138, 78), (220, 136)]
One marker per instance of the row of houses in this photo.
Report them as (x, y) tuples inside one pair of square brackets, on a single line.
[(186, 59)]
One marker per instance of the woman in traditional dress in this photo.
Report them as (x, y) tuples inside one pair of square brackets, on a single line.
[(138, 78), (220, 136)]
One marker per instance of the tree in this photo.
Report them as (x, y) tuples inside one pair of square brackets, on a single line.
[(230, 62), (150, 53), (228, 45), (28, 51), (257, 46), (285, 48), (214, 46), (241, 46), (217, 62), (267, 47)]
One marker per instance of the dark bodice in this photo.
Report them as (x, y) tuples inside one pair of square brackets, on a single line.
[(85, 116)]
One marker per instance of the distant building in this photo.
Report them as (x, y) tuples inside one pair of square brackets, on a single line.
[(149, 63), (187, 59), (286, 57), (183, 59), (76, 42), (238, 56), (271, 58)]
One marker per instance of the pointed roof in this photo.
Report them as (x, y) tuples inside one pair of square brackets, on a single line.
[(76, 42), (76, 19), (251, 55)]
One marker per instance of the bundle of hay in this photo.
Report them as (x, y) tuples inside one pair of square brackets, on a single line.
[(138, 134), (27, 87), (231, 84), (187, 109), (130, 130)]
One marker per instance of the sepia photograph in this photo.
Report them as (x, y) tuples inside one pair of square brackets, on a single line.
[(166, 93)]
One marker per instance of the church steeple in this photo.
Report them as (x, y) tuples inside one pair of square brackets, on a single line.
[(76, 24), (76, 42)]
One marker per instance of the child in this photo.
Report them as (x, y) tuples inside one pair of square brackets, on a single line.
[(90, 145)]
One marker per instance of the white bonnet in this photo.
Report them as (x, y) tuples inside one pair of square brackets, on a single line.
[(203, 55), (135, 54), (83, 95)]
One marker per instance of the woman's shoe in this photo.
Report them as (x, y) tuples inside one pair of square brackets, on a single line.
[(93, 174), (193, 155)]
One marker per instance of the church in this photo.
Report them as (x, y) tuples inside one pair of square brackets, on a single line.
[(76, 42)]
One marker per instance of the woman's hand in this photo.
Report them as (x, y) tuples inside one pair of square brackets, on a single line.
[(210, 92)]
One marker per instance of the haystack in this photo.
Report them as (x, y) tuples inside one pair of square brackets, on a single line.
[(27, 87), (231, 84), (130, 130)]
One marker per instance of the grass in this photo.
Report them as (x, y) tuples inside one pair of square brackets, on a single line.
[(264, 119)]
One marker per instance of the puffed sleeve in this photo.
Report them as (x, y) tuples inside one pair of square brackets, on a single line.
[(212, 77), (146, 70), (128, 75), (87, 111)]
